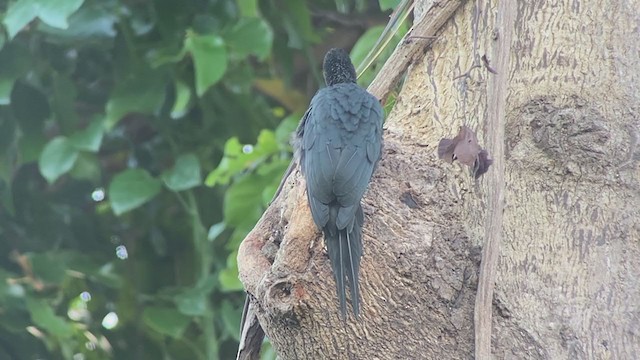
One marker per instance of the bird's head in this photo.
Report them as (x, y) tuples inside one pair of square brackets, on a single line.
[(337, 68)]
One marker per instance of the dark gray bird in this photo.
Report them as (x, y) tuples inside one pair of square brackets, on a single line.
[(338, 145)]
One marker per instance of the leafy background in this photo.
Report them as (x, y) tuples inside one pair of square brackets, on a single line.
[(140, 141)]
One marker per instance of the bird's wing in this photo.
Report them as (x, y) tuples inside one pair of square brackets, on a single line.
[(338, 167), (358, 161), (298, 140), (318, 144)]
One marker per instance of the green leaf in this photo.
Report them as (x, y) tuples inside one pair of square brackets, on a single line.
[(142, 92), (87, 167), (251, 36), (49, 267), (215, 230), (183, 99), (52, 12), (248, 8), (192, 302), (30, 147), (267, 352), (236, 238), (272, 173), (132, 188), (388, 4), (231, 164), (379, 49), (231, 319), (57, 158), (228, 277), (43, 315), (267, 143), (165, 55), (184, 175), (166, 321), (90, 138), (229, 281), (209, 58), (361, 49), (296, 20), (16, 61), (365, 43), (6, 84), (242, 201), (6, 173), (56, 12), (284, 131), (18, 15), (238, 158), (267, 194), (92, 23)]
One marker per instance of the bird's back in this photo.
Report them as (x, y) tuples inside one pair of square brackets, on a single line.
[(342, 142), (341, 145)]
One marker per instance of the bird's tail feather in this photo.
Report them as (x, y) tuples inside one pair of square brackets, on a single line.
[(345, 250)]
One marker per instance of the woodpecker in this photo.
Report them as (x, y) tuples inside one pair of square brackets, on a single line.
[(338, 144)]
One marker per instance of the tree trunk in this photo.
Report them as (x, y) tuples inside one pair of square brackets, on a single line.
[(554, 223)]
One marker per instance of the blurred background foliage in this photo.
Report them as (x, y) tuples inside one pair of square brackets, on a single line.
[(140, 141)]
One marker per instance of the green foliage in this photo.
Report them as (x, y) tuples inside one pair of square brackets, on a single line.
[(132, 188), (42, 315), (140, 141), (251, 36), (141, 91), (53, 12), (166, 320), (371, 40), (184, 175), (388, 4), (57, 158), (209, 58)]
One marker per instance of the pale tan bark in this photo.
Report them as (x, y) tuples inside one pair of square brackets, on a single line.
[(559, 208)]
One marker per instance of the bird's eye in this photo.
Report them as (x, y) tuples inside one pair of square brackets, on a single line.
[(454, 157)]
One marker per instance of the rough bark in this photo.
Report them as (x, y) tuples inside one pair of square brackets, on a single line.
[(558, 212)]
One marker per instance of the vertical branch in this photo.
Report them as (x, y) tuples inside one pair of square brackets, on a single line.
[(496, 98)]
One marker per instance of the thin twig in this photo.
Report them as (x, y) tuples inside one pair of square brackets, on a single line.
[(467, 73), (485, 61)]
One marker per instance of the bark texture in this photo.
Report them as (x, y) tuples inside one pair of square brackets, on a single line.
[(558, 211)]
